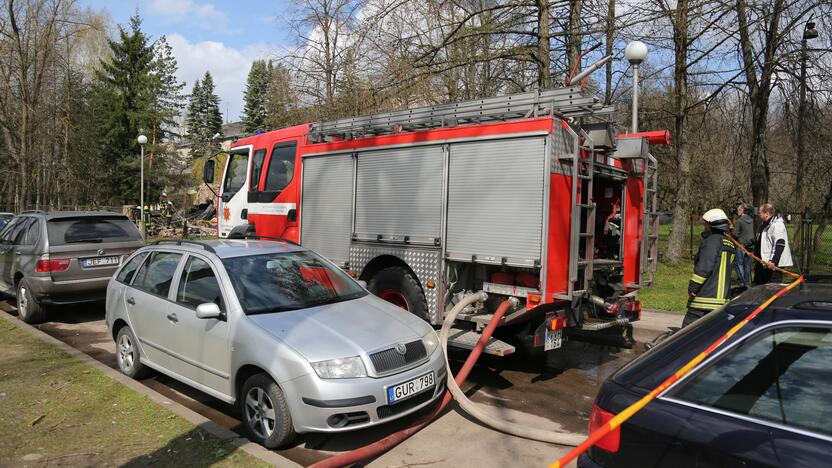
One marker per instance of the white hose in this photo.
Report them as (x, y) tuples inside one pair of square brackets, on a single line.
[(473, 409)]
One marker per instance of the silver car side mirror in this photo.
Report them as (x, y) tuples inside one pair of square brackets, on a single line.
[(362, 283), (209, 310)]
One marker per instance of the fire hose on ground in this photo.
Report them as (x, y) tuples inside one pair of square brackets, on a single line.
[(453, 383)]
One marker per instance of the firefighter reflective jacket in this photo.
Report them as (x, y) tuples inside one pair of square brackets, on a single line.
[(711, 280)]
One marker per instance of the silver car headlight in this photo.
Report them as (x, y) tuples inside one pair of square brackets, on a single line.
[(431, 341), (343, 368)]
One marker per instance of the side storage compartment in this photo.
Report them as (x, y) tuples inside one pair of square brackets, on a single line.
[(496, 191), (326, 209), (398, 195)]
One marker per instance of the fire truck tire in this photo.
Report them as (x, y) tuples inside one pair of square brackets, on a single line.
[(400, 287)]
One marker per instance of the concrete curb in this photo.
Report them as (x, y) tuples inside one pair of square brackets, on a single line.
[(191, 416)]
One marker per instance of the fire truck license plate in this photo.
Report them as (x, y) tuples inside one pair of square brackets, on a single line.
[(553, 339), (403, 391), (100, 261)]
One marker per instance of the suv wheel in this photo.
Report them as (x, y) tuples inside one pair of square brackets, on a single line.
[(265, 412), (127, 354), (28, 308)]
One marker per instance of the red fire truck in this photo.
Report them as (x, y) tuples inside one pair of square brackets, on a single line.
[(535, 196)]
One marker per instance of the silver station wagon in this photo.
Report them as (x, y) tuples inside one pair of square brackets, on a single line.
[(292, 340)]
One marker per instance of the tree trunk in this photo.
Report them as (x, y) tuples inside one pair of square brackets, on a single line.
[(759, 91), (573, 41), (681, 207), (610, 39), (544, 79)]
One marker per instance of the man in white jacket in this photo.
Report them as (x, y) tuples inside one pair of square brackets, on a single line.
[(772, 245)]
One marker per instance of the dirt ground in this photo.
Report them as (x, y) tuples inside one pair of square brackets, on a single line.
[(558, 395)]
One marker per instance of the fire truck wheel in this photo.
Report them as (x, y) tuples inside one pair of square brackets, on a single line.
[(398, 286)]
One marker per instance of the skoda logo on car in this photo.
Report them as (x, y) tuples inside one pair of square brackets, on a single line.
[(401, 349)]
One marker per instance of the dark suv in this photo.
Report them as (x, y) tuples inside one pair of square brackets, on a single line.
[(761, 399), (62, 257)]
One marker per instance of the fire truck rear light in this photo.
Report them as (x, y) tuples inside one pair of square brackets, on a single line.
[(633, 309), (534, 298), (556, 323), (45, 265), (610, 442), (430, 284)]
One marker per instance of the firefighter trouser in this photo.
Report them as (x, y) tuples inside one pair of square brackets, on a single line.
[(693, 315)]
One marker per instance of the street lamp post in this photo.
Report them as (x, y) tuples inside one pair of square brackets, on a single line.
[(635, 53), (809, 32), (142, 141)]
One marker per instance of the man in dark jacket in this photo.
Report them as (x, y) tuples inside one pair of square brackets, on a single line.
[(744, 234), (710, 286)]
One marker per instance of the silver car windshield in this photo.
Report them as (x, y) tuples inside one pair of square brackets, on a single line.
[(288, 281)]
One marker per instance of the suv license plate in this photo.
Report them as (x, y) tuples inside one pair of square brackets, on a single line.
[(553, 339), (403, 391), (100, 261)]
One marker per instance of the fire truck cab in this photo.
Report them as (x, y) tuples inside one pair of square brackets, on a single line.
[(535, 196)]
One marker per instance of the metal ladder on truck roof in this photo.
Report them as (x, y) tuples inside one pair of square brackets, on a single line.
[(583, 169), (566, 102)]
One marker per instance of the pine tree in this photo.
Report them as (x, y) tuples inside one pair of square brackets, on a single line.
[(204, 119), (168, 99), (123, 103), (213, 116), (281, 100), (256, 95)]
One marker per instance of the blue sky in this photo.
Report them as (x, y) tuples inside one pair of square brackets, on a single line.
[(221, 36)]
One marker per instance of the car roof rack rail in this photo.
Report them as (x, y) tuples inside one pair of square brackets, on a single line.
[(271, 238), (184, 242), (31, 211)]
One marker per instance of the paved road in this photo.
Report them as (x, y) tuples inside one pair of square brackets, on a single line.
[(557, 396)]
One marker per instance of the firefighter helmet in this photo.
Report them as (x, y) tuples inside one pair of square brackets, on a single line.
[(716, 218)]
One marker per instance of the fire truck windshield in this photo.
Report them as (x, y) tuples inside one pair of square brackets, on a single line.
[(279, 282), (235, 174)]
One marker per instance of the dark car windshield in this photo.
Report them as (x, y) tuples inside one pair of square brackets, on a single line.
[(91, 229), (287, 281)]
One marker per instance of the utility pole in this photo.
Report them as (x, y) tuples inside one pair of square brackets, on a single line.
[(809, 32)]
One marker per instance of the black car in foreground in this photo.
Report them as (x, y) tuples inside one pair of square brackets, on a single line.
[(763, 398)]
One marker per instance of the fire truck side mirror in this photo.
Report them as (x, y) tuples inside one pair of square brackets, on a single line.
[(208, 171)]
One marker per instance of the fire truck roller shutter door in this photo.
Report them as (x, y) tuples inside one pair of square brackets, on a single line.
[(495, 200), (399, 194), (326, 208)]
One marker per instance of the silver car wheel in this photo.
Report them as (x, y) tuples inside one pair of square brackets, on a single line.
[(260, 412), (126, 353), (22, 301)]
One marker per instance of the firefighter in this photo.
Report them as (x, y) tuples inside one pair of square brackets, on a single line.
[(710, 285)]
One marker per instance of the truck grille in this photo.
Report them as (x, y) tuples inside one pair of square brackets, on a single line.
[(389, 359)]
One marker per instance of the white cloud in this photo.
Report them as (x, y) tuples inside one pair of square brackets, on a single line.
[(228, 66), (202, 15)]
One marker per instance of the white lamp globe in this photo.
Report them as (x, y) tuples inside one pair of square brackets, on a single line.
[(142, 139), (635, 52)]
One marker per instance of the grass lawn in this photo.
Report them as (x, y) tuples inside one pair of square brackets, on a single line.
[(54, 409), (670, 282)]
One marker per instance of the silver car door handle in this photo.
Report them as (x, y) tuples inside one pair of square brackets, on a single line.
[(18, 253), (172, 318), (131, 301)]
